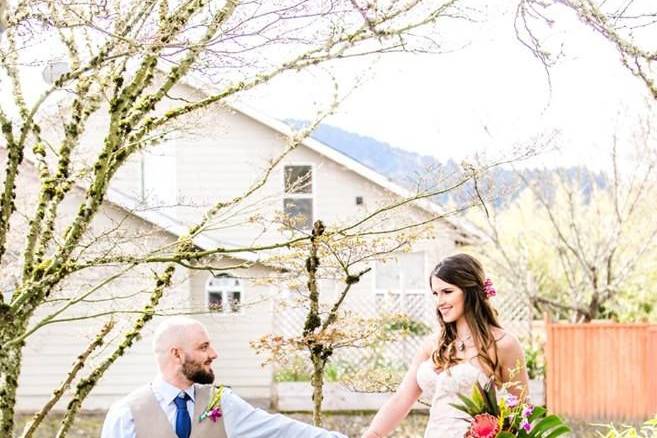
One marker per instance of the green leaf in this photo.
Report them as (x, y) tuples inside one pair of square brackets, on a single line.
[(471, 407), (505, 435), (545, 426), (461, 407), (558, 431), (477, 397), (539, 412), (490, 394)]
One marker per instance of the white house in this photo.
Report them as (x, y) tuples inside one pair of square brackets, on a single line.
[(160, 193)]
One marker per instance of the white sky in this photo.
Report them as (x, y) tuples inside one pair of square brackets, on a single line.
[(484, 98), (487, 95)]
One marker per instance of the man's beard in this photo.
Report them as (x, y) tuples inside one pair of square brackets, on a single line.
[(194, 372)]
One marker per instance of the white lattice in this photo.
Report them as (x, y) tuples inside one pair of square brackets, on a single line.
[(514, 312)]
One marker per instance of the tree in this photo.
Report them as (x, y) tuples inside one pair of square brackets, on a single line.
[(577, 246), (628, 25), (328, 328), (122, 61)]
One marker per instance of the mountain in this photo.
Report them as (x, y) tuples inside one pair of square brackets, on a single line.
[(413, 170)]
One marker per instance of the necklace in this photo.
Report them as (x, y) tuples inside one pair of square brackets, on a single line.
[(460, 345)]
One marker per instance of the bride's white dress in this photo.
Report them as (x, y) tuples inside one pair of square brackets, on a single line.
[(442, 388)]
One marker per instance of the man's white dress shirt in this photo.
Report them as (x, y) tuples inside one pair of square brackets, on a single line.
[(241, 420)]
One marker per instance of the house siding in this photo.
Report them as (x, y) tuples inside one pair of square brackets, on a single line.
[(217, 158)]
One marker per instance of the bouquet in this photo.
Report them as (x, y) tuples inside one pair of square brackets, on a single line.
[(507, 417)]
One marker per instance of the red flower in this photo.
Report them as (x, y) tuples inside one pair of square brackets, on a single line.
[(483, 426)]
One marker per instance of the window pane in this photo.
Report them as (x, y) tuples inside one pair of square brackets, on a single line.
[(387, 275), (215, 301), (301, 210), (234, 299), (298, 179), (159, 176), (412, 265)]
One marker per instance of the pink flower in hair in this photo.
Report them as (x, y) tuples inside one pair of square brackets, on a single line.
[(489, 290)]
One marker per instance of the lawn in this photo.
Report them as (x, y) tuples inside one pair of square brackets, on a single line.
[(353, 425)]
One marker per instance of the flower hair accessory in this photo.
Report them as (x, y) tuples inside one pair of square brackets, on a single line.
[(213, 410), (489, 290)]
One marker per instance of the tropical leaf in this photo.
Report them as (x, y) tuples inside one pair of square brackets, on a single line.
[(546, 426), (562, 429), (477, 396), (468, 406), (490, 397)]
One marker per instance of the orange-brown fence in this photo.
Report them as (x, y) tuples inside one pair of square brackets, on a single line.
[(602, 370)]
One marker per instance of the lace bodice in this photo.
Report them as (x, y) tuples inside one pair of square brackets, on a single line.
[(441, 389)]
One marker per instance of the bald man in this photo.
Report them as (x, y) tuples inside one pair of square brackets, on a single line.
[(171, 405)]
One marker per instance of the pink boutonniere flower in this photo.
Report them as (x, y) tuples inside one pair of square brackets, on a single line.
[(213, 409), (215, 414)]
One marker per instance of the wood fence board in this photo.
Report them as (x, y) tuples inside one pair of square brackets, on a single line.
[(602, 370)]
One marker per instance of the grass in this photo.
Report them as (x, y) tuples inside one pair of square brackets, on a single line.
[(352, 425)]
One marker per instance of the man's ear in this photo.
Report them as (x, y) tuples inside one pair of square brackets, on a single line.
[(177, 353)]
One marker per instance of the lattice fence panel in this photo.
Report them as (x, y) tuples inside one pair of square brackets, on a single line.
[(514, 313)]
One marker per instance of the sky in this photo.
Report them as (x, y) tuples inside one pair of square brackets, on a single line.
[(486, 96)]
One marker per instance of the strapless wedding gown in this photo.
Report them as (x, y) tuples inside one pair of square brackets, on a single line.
[(442, 388)]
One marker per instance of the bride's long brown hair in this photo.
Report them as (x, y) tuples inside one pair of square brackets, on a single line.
[(465, 272)]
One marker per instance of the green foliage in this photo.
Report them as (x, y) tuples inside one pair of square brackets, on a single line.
[(647, 430), (298, 370), (575, 249), (535, 360), (407, 327)]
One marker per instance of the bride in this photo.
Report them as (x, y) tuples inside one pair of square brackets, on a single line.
[(470, 347)]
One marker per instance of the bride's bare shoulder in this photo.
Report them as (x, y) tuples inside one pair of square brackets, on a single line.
[(430, 343), (506, 341)]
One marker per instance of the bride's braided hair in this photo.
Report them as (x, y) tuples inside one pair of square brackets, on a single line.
[(466, 272)]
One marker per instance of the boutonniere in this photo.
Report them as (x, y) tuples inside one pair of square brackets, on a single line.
[(213, 409)]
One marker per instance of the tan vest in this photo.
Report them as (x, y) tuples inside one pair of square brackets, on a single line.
[(151, 421)]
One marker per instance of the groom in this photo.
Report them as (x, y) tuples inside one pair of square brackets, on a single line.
[(171, 405)]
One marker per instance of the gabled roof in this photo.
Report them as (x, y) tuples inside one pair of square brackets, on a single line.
[(204, 241), (158, 218), (467, 232)]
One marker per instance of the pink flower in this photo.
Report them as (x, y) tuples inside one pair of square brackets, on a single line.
[(483, 426), (489, 290), (511, 400), (526, 426), (527, 411), (215, 414)]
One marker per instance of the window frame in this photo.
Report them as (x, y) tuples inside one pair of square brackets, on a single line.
[(224, 295), (311, 195)]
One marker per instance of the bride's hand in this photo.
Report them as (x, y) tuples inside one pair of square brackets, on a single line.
[(371, 434)]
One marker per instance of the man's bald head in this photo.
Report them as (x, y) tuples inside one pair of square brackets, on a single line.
[(184, 352), (175, 331)]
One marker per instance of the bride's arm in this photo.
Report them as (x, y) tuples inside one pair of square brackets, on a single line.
[(397, 407), (514, 369)]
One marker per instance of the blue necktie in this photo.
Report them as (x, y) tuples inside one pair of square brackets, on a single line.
[(183, 422)]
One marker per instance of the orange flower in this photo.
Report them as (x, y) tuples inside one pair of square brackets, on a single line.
[(483, 426)]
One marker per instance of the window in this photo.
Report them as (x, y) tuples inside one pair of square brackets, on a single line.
[(224, 293), (158, 176), (400, 284), (298, 200)]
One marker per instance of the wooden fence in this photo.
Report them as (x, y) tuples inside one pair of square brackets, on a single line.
[(602, 371)]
